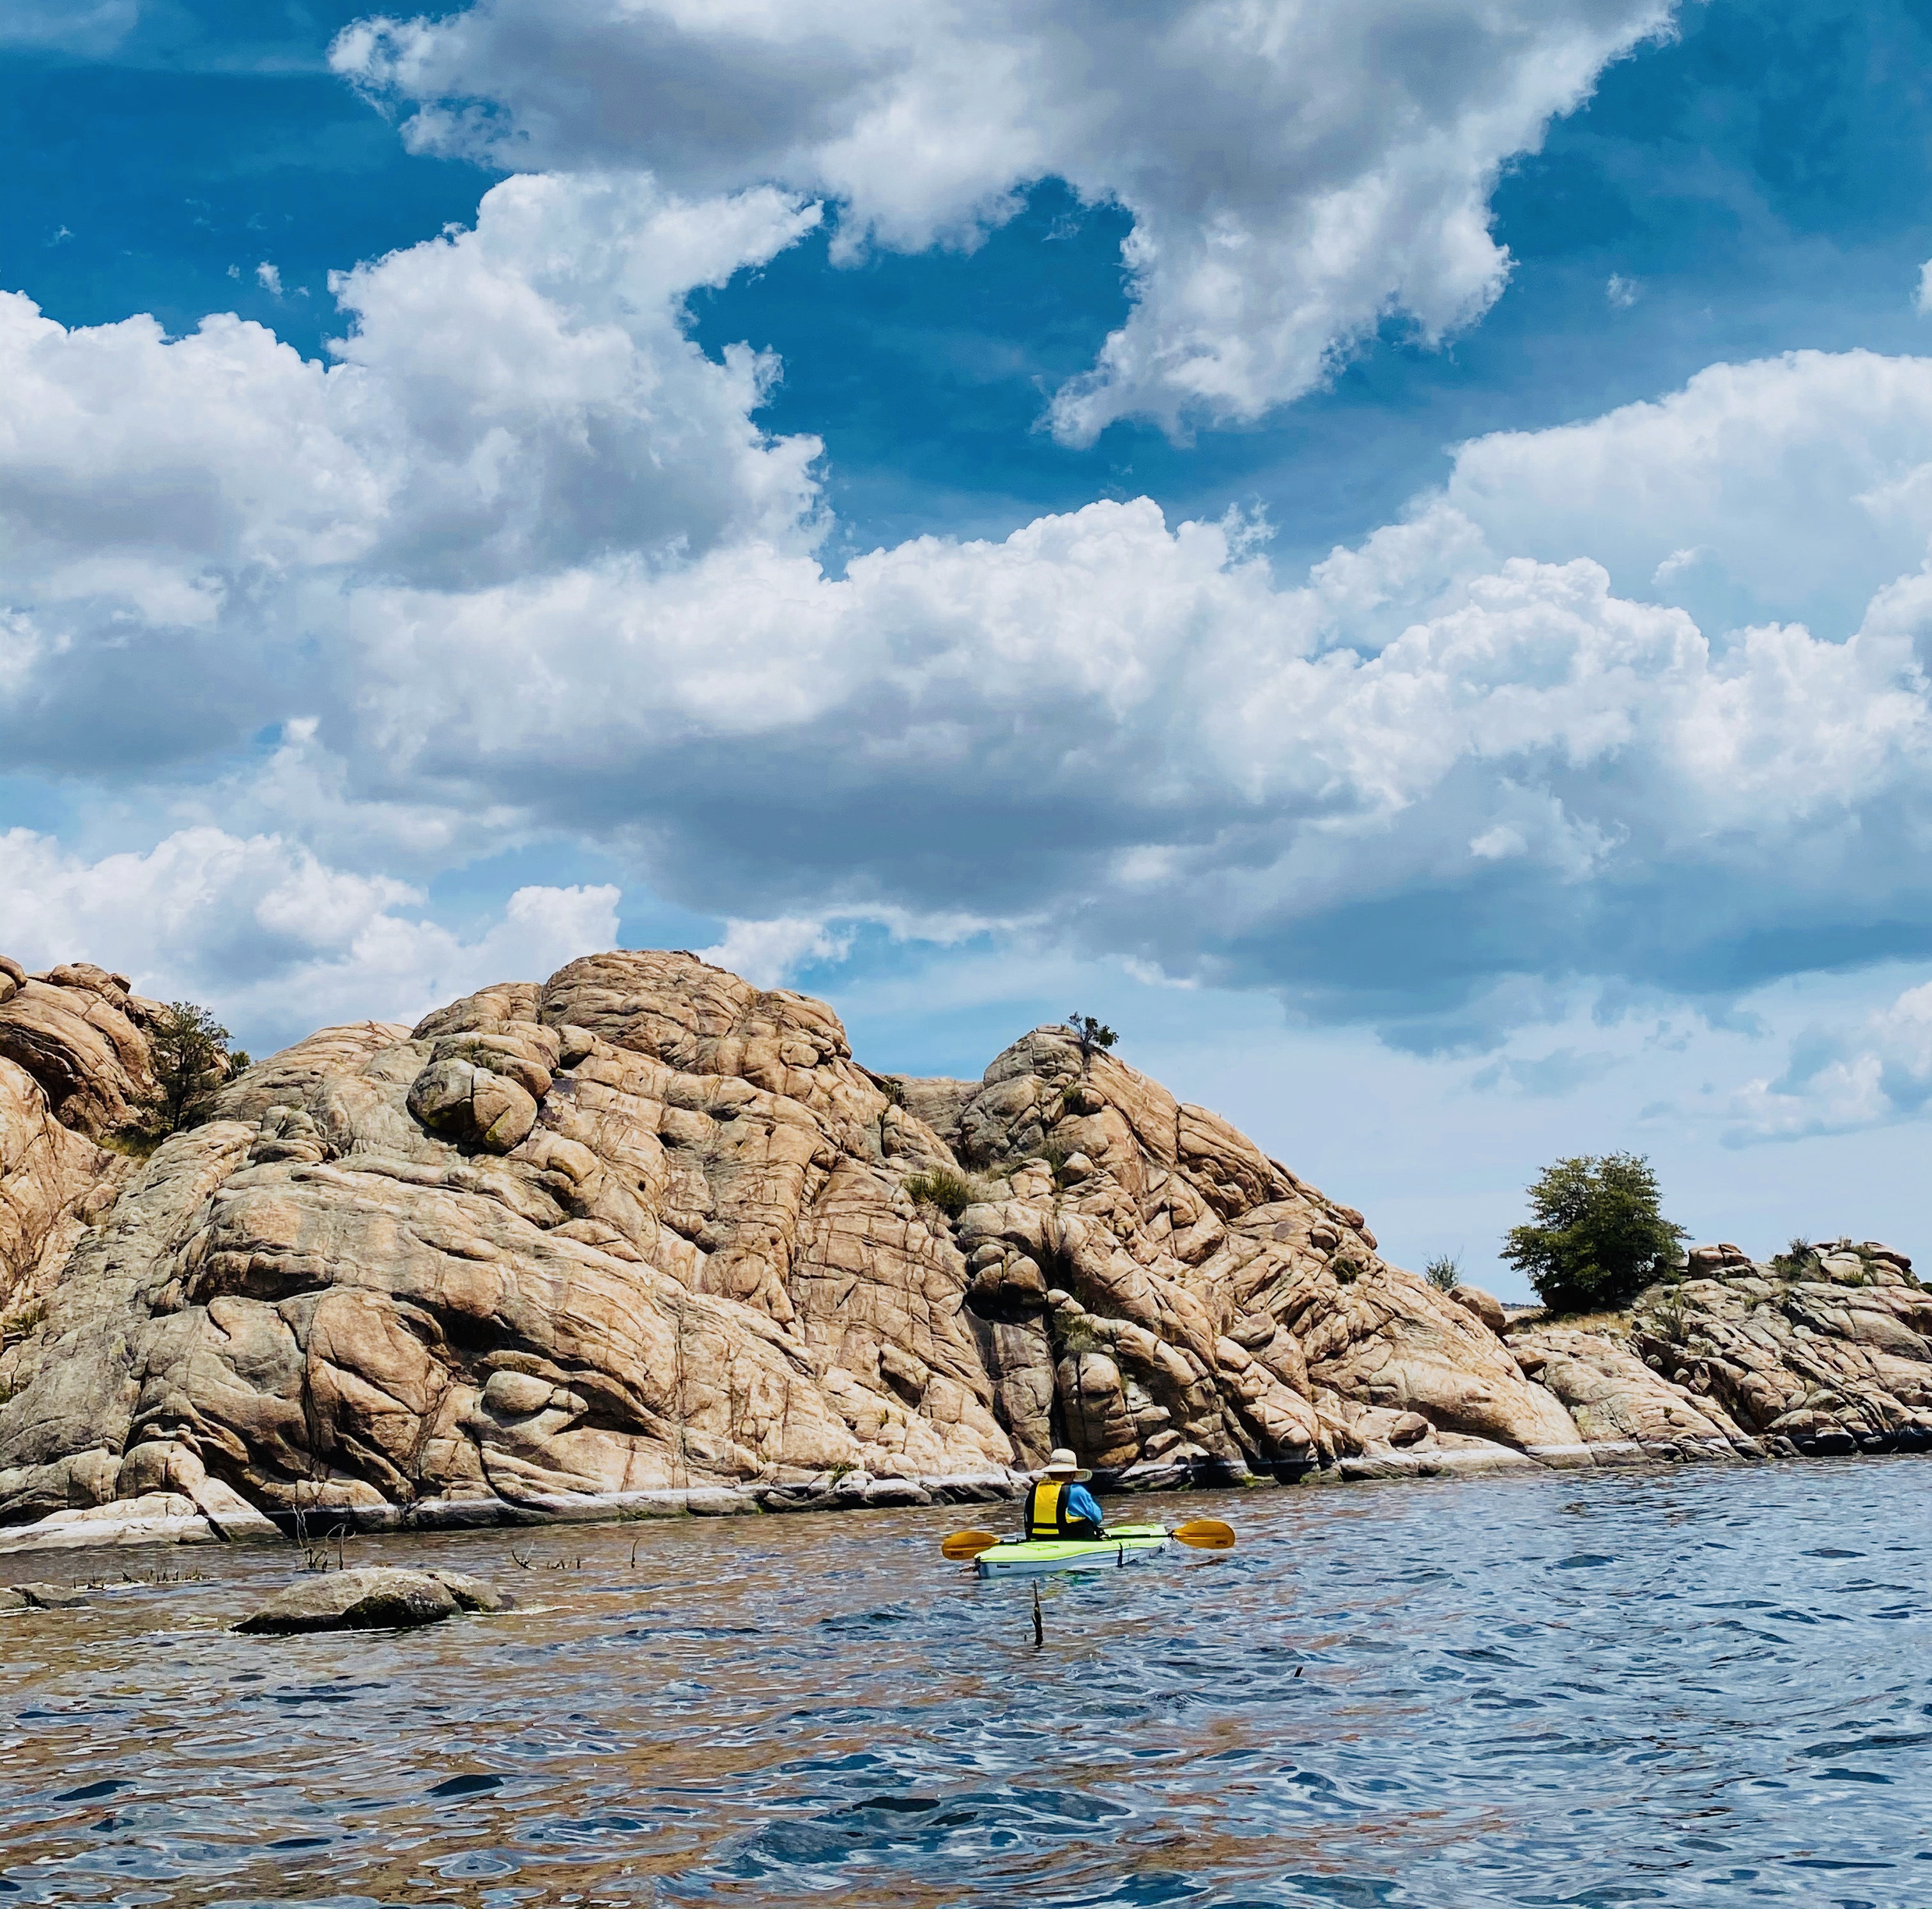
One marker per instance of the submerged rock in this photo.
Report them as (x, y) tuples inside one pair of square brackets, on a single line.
[(49, 1597), (377, 1598)]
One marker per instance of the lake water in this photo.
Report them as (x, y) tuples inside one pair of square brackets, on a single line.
[(1707, 1686)]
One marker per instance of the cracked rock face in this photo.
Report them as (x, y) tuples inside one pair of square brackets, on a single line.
[(645, 1227), (77, 1032), (1615, 1398), (1831, 1355), (73, 1069)]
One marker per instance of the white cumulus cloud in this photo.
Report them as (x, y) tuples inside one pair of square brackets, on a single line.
[(767, 952), (1838, 1082), (509, 400), (519, 562), (1789, 487), (1132, 730), (1297, 173), (270, 937)]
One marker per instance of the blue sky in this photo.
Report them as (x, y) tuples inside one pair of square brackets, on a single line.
[(1431, 643)]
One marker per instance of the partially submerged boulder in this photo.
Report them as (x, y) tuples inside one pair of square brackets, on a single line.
[(49, 1597), (471, 1593), (375, 1597)]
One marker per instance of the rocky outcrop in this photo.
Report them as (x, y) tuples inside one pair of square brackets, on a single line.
[(1617, 1403), (53, 1182), (73, 1070), (646, 1235), (77, 1031), (216, 1515), (1829, 1352)]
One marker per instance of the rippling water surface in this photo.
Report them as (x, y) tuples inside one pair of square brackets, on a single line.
[(1705, 1687)]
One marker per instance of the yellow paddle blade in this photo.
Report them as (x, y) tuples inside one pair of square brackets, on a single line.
[(970, 1543), (1205, 1534)]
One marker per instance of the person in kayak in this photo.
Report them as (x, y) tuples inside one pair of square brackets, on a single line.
[(1058, 1504)]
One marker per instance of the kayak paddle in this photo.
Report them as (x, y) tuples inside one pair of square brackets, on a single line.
[(1204, 1533), (967, 1544)]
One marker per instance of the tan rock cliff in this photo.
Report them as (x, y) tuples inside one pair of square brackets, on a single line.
[(645, 1229)]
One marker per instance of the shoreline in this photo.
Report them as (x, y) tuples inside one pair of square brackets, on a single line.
[(369, 1317), (169, 1519)]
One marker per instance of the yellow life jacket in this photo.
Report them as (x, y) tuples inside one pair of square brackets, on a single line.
[(1045, 1515)]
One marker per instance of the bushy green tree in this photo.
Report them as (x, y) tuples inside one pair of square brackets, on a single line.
[(191, 1059), (1599, 1235), (1444, 1272)]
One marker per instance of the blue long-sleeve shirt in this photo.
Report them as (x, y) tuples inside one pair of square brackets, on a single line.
[(1080, 1503)]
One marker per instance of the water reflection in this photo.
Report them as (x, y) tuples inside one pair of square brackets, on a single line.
[(1695, 1689)]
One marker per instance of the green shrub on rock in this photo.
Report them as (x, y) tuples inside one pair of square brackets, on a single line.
[(1347, 1266), (952, 1193), (1598, 1236), (18, 1325)]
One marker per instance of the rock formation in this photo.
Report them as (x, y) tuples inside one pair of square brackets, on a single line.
[(73, 1069), (646, 1234), (1827, 1352)]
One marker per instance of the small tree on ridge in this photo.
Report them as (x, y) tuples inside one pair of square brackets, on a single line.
[(191, 1059), (1598, 1236), (1092, 1034)]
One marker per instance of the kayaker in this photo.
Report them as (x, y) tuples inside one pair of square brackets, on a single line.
[(1058, 1504)]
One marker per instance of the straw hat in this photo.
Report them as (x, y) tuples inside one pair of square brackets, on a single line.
[(1061, 1464)]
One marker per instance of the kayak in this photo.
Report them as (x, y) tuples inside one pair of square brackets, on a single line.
[(1033, 1557)]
